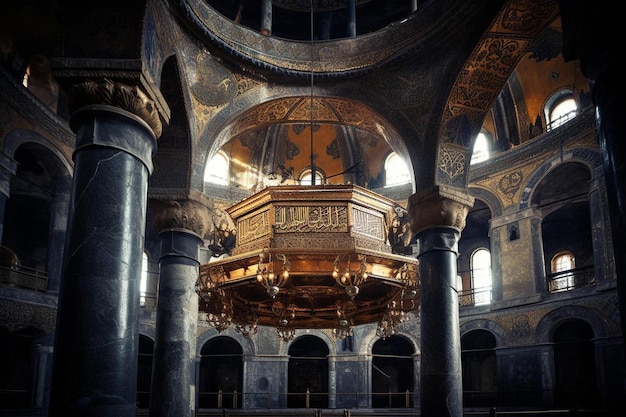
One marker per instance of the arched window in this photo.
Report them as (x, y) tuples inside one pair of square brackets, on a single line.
[(560, 108), (563, 261), (307, 176), (562, 278), (396, 170), (480, 264), (217, 170), (480, 151)]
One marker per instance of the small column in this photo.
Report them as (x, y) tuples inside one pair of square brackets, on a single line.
[(96, 344), (8, 168), (56, 239), (332, 381), (266, 17), (182, 225), (437, 218), (42, 355), (351, 18)]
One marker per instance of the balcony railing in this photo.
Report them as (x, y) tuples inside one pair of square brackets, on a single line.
[(23, 277), (475, 297), (573, 278)]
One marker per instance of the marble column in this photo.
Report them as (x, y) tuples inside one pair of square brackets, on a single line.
[(182, 225), (8, 168), (437, 218), (602, 240), (96, 345), (591, 34)]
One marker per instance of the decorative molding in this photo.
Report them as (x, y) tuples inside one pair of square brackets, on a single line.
[(126, 97), (184, 214), (15, 316), (440, 206)]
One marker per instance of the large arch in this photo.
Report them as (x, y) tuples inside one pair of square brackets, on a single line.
[(469, 101)]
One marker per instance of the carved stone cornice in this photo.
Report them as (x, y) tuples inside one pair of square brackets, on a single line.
[(191, 213), (440, 206), (126, 97), (16, 315)]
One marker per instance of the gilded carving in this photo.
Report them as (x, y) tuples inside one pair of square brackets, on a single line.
[(253, 227), (367, 224), (126, 97), (290, 219)]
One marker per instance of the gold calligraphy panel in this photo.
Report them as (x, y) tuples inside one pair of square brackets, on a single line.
[(302, 219), (253, 227), (367, 224)]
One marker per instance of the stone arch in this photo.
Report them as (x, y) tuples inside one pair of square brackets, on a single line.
[(491, 326), (550, 322), (464, 113), (246, 344), (587, 157)]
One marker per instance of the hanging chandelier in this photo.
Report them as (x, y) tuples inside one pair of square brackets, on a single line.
[(310, 257)]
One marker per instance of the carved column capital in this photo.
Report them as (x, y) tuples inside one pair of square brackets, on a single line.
[(187, 213), (439, 206), (126, 97)]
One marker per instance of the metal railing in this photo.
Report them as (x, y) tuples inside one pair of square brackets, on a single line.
[(308, 399), (23, 277), (475, 296), (573, 278)]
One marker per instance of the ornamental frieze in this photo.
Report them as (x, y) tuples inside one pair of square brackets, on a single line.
[(303, 219), (15, 316)]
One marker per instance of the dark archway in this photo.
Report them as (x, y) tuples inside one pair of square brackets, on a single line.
[(575, 381), (392, 373), (480, 370), (308, 371), (221, 374)]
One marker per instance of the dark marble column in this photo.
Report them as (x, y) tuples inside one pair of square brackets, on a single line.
[(592, 35), (182, 225), (437, 218), (8, 168), (602, 240), (96, 344)]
